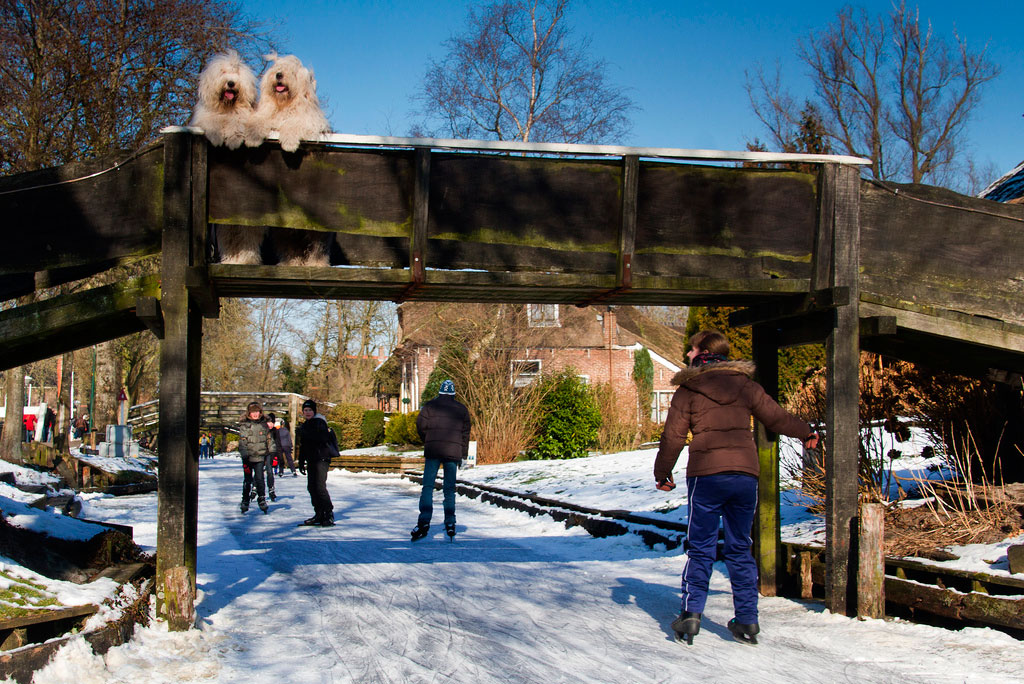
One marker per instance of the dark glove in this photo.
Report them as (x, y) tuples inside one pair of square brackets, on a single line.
[(666, 484)]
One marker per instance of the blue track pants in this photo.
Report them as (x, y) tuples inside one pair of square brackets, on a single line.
[(730, 498)]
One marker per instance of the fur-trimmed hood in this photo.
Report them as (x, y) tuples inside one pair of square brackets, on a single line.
[(745, 367), (720, 381)]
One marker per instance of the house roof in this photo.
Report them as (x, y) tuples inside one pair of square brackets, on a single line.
[(425, 324), (1009, 188)]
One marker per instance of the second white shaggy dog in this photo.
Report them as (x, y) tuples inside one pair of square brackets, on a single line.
[(288, 104)]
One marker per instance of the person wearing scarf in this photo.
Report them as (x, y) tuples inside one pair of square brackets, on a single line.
[(714, 402)]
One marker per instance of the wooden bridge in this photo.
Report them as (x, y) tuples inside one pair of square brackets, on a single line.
[(222, 409), (911, 271)]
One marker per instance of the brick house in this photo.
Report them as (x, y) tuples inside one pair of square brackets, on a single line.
[(597, 341)]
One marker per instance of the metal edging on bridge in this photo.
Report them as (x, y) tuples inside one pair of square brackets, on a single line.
[(345, 139)]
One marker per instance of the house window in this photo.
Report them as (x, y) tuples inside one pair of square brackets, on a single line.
[(659, 406), (525, 372), (543, 315)]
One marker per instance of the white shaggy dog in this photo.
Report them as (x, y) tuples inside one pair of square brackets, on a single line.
[(227, 93), (288, 104)]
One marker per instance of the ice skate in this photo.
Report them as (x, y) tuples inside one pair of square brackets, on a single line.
[(262, 503), (273, 495), (310, 522), (745, 633), (327, 520), (449, 529), (245, 506), (686, 626), (420, 531)]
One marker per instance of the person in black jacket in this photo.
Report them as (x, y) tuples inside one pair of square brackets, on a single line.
[(444, 425), (317, 446)]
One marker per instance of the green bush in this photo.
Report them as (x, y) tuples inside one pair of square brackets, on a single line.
[(372, 428), (569, 418), (347, 419), (401, 429)]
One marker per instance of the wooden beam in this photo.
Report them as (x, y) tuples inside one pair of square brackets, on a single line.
[(839, 234), (148, 311), (64, 323), (767, 540), (202, 291), (420, 219), (179, 391), (792, 307)]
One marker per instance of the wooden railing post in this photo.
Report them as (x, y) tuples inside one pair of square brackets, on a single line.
[(871, 562), (767, 537)]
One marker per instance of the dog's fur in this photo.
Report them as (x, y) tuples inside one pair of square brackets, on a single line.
[(227, 95), (224, 110), (288, 104)]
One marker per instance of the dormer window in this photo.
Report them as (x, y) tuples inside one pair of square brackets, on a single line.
[(543, 315)]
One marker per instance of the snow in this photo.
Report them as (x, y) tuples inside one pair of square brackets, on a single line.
[(514, 599)]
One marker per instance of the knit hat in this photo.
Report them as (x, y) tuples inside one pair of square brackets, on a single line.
[(254, 406), (447, 387), (310, 404)]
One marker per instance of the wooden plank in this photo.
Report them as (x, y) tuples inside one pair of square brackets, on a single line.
[(148, 311), (791, 307), (63, 323), (178, 436), (871, 562), (768, 532), (983, 608), (843, 390), (82, 213), (932, 246), (627, 227), (738, 222)]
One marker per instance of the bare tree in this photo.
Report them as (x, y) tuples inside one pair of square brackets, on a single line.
[(517, 73), (87, 77), (887, 89)]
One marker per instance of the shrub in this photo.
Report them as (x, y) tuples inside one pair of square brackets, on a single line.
[(619, 430), (348, 424), (372, 428), (401, 429), (569, 418)]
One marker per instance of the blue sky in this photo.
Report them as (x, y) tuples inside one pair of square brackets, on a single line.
[(683, 62)]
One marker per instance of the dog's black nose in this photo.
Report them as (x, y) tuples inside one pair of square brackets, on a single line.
[(279, 75), (231, 84)]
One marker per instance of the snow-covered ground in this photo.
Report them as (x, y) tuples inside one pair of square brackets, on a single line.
[(514, 599)]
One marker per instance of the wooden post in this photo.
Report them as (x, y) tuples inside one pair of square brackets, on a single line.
[(839, 235), (178, 493), (806, 575), (767, 539), (871, 562)]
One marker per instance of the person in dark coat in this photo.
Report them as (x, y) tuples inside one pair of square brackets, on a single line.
[(715, 401), (255, 445), (444, 425), (317, 446), (284, 442)]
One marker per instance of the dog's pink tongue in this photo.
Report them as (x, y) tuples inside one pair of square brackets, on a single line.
[(280, 88), (228, 95)]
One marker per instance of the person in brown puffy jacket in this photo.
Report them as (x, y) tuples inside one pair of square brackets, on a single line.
[(715, 401)]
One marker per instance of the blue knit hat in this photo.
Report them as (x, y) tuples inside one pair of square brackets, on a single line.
[(447, 387)]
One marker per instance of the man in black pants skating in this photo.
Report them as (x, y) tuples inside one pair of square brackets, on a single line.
[(317, 446)]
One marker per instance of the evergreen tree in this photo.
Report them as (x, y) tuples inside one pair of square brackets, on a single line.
[(643, 377)]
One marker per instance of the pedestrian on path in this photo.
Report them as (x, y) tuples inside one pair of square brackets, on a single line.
[(444, 426), (715, 401), (317, 446), (255, 445), (284, 441)]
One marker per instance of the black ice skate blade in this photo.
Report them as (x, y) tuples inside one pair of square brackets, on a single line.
[(684, 639), (745, 638)]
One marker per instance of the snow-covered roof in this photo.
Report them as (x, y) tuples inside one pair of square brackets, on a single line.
[(1008, 188)]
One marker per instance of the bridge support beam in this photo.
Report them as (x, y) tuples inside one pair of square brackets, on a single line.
[(768, 534), (839, 239), (180, 359)]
